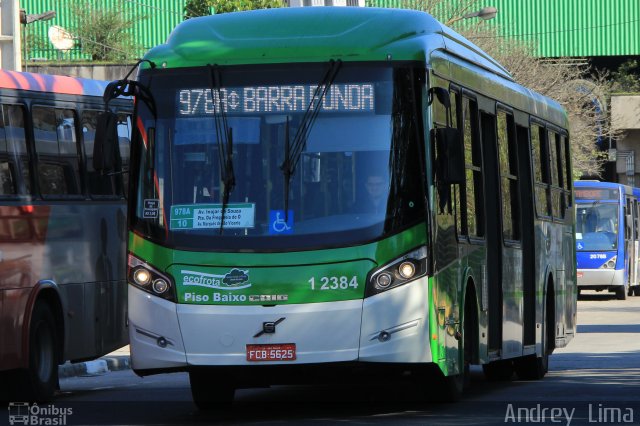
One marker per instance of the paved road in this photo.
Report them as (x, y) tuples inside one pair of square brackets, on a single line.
[(595, 380)]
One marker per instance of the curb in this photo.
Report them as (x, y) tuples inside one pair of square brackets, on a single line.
[(94, 368)]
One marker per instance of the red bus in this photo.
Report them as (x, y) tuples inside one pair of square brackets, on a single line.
[(62, 231)]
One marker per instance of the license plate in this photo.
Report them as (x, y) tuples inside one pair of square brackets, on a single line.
[(278, 352), (580, 274)]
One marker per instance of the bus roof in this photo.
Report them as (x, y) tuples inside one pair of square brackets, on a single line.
[(312, 34), (51, 83), (595, 184), (318, 34), (598, 184)]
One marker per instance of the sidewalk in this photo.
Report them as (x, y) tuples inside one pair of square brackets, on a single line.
[(115, 361)]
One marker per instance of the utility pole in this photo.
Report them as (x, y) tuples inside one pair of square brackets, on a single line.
[(10, 42)]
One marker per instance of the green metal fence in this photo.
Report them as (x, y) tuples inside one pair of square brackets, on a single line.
[(558, 27), (574, 28)]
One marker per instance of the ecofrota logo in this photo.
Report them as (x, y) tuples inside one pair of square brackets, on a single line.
[(235, 279)]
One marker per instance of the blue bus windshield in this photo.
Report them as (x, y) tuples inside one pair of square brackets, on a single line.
[(597, 226)]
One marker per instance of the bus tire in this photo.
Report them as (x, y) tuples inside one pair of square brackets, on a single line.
[(39, 382), (533, 367), (621, 293), (210, 392), (498, 371), (437, 387), (453, 387)]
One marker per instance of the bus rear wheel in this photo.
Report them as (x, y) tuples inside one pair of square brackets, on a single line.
[(533, 367), (210, 392), (39, 382), (498, 371)]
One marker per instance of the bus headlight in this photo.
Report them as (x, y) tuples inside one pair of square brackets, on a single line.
[(147, 278), (398, 272), (407, 269), (610, 264), (141, 276), (160, 286), (383, 280)]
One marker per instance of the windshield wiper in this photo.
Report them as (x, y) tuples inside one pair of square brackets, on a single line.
[(224, 138), (293, 151)]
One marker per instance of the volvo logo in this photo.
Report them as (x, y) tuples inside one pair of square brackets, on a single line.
[(269, 327)]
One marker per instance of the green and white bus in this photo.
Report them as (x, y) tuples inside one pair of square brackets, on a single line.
[(317, 192)]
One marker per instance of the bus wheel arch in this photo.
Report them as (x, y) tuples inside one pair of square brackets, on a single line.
[(470, 323), (453, 386), (549, 315)]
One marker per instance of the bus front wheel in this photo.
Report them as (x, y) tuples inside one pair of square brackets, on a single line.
[(209, 392), (39, 381), (621, 293)]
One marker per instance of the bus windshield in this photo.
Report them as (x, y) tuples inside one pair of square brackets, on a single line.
[(597, 226), (350, 155)]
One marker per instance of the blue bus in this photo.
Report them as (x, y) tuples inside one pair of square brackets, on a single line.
[(607, 237)]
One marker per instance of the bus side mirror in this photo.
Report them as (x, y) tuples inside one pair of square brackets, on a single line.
[(105, 144), (450, 156)]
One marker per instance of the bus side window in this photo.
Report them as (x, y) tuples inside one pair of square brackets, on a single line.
[(555, 170), (565, 174), (8, 184), (124, 143), (13, 119), (540, 170), (508, 176), (459, 198), (55, 139), (100, 185), (474, 198)]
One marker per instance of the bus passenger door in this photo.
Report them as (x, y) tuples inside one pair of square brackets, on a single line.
[(636, 238), (493, 235), (448, 254), (508, 232), (527, 209), (2, 331), (629, 239)]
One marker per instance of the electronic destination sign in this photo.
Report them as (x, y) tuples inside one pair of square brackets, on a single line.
[(279, 99)]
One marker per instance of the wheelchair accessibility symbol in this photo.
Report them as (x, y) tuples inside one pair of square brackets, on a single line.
[(277, 224)]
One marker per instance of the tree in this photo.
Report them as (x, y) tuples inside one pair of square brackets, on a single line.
[(104, 32), (583, 94), (224, 6), (568, 81), (195, 8), (627, 77)]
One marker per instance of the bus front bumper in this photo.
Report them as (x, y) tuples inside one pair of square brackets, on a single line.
[(391, 327), (600, 279)]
